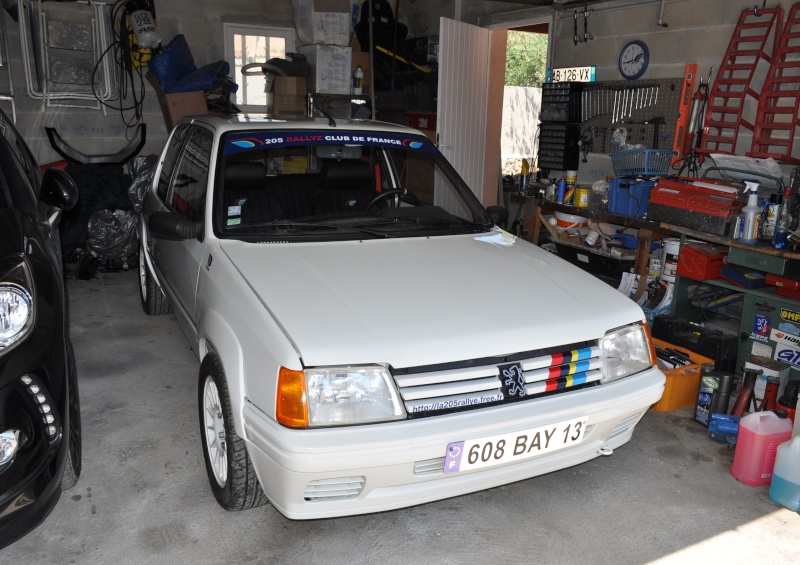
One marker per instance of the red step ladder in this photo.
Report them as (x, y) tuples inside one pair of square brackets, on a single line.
[(777, 114), (732, 87)]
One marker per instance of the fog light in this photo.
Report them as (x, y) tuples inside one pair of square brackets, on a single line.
[(45, 408), (40, 398), (51, 431), (33, 388), (26, 380)]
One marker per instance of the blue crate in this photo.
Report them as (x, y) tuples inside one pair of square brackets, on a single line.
[(629, 197)]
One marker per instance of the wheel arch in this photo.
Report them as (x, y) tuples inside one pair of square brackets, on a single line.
[(218, 338)]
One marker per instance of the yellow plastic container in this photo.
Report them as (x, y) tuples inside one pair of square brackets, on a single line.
[(683, 383)]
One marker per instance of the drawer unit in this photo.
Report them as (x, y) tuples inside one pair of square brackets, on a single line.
[(770, 327), (558, 146), (763, 262), (561, 102)]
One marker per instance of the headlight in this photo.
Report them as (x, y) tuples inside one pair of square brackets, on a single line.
[(626, 351), (16, 314), (335, 396)]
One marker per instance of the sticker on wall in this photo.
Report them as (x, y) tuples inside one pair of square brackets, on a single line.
[(788, 355), (785, 339), (789, 328), (761, 327), (790, 315), (761, 350)]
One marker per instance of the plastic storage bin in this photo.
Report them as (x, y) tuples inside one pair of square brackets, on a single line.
[(680, 390), (649, 162), (760, 434), (785, 487), (629, 197)]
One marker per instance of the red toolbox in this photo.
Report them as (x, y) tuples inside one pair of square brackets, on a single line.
[(705, 205), (787, 286), (702, 261)]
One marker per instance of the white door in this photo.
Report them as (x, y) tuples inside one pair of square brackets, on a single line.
[(461, 121)]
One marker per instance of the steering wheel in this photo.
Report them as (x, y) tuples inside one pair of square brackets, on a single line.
[(404, 194), (246, 70)]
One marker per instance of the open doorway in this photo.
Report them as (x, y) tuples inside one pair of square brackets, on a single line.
[(526, 70)]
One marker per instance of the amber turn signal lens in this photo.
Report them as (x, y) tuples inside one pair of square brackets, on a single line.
[(291, 408), (651, 344)]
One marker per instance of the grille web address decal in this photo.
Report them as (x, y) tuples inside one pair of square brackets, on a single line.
[(436, 391)]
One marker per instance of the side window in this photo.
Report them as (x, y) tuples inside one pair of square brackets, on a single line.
[(190, 181), (170, 158)]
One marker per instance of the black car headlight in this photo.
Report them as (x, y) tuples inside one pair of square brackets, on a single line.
[(16, 305)]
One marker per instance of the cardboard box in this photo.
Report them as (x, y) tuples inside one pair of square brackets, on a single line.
[(325, 22), (328, 69), (362, 59), (289, 97), (175, 106)]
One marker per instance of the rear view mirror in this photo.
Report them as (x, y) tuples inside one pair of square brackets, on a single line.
[(499, 215), (58, 189)]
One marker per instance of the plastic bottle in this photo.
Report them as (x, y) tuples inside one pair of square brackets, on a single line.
[(358, 80), (760, 434), (785, 487), (751, 213), (783, 221), (561, 188), (523, 177), (144, 28)]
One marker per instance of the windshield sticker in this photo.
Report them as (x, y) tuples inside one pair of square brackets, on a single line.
[(233, 222), (234, 210), (247, 141)]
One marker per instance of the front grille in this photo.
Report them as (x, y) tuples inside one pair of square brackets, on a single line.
[(433, 390), (341, 488)]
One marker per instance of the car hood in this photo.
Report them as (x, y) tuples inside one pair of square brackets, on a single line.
[(421, 301)]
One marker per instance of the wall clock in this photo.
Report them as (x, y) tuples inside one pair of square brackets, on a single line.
[(633, 60)]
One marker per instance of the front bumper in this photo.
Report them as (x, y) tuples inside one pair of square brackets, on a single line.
[(31, 484), (395, 465)]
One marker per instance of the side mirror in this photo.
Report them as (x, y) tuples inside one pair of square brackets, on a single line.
[(174, 226), (499, 215), (58, 189)]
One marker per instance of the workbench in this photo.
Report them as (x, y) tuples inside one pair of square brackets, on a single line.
[(535, 209)]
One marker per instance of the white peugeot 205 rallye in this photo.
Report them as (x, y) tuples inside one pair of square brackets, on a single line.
[(368, 338)]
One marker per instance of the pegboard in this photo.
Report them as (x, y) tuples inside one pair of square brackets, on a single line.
[(635, 106)]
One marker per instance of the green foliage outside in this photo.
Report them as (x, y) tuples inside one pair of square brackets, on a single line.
[(526, 59)]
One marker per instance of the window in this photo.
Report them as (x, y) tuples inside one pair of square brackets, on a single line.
[(254, 44), (175, 143), (190, 182)]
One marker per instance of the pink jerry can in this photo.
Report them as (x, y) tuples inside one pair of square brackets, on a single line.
[(760, 434)]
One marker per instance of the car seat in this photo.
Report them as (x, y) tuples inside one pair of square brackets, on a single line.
[(347, 187), (246, 197)]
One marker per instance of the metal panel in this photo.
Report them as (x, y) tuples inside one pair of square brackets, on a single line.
[(462, 99)]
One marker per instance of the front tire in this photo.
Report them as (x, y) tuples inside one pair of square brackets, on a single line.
[(72, 466), (230, 470), (154, 302)]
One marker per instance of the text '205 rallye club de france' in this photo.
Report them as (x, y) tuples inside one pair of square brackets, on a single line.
[(364, 330)]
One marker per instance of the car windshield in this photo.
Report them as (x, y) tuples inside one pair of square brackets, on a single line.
[(301, 185)]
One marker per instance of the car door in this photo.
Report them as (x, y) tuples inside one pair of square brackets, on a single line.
[(178, 262)]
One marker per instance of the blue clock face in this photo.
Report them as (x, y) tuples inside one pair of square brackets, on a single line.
[(633, 60)]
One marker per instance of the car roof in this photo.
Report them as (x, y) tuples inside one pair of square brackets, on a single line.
[(236, 122)]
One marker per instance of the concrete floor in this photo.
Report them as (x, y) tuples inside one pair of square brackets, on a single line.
[(666, 497)]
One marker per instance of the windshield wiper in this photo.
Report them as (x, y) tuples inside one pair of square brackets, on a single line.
[(404, 219), (289, 224)]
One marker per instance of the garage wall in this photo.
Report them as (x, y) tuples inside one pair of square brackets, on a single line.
[(92, 132)]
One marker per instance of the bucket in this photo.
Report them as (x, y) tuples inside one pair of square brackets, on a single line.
[(785, 487), (564, 222), (760, 434), (671, 248)]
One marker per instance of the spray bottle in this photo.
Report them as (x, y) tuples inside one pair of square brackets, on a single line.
[(751, 213)]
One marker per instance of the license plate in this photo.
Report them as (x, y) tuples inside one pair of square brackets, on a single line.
[(516, 446)]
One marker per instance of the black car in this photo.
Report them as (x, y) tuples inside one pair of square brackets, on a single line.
[(40, 432)]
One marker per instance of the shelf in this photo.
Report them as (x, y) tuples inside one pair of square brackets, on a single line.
[(766, 292), (722, 240)]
